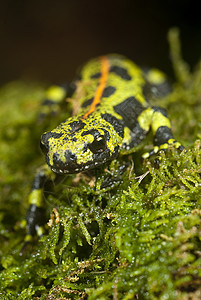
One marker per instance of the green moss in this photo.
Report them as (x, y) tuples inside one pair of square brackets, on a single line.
[(137, 240)]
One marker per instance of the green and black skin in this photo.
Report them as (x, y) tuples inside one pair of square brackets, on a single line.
[(113, 118)]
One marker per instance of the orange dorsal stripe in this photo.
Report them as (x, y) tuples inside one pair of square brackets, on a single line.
[(101, 86)]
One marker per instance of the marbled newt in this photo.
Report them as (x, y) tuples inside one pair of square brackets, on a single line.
[(114, 116)]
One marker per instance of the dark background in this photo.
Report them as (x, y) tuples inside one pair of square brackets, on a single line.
[(47, 40)]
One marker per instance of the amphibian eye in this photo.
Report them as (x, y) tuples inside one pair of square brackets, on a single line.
[(98, 145)]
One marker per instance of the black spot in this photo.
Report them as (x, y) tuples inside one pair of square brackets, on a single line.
[(87, 102), (117, 124), (129, 109), (77, 125), (93, 132), (108, 91), (96, 75), (161, 110), (122, 72), (163, 134)]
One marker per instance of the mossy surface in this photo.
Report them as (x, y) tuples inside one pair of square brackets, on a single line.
[(138, 240)]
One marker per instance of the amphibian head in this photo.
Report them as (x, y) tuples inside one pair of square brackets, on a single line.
[(77, 145)]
